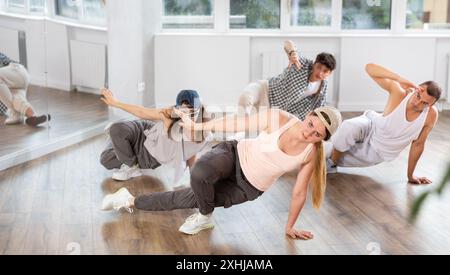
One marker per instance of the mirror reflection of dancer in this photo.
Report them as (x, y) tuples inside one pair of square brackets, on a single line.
[(155, 139), (14, 80), (236, 172)]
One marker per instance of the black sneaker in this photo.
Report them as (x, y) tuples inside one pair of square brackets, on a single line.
[(37, 120)]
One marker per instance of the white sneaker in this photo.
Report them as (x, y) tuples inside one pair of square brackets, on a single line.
[(14, 118), (126, 172), (120, 200), (196, 223), (331, 167), (289, 46)]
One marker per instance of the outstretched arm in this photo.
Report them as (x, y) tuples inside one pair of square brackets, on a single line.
[(418, 146), (233, 124), (388, 80), (298, 199), (291, 50), (138, 111)]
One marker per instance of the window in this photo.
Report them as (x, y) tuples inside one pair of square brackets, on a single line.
[(23, 6), (254, 14), (16, 5), (188, 14), (311, 12), (94, 11), (85, 11), (37, 6), (366, 14), (68, 8), (428, 14)]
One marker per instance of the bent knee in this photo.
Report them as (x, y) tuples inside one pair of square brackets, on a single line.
[(118, 128)]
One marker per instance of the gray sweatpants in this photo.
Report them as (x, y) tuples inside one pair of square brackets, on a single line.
[(216, 181), (353, 139), (127, 146)]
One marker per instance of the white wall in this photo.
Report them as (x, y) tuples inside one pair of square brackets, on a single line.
[(58, 59), (417, 58), (413, 58), (217, 67), (131, 51), (34, 30), (442, 64), (152, 12), (10, 43)]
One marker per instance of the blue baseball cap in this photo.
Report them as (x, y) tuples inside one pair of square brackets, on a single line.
[(191, 97)]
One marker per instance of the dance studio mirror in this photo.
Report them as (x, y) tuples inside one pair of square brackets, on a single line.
[(60, 50)]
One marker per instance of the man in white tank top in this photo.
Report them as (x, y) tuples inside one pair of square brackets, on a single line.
[(373, 138)]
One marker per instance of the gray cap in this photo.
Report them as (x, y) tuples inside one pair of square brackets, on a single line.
[(330, 117)]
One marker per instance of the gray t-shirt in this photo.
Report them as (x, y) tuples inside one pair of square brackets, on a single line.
[(168, 151)]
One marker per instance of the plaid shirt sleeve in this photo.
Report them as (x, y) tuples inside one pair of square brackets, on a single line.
[(3, 109), (305, 61)]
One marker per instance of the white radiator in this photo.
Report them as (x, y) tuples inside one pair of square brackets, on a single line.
[(274, 63), (10, 43), (88, 65)]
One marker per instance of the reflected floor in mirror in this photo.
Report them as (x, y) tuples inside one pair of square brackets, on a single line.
[(70, 112)]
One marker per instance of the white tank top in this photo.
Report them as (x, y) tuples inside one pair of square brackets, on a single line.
[(393, 133), (262, 160)]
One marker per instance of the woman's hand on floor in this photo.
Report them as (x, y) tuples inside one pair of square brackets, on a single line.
[(419, 180), (109, 98), (298, 234)]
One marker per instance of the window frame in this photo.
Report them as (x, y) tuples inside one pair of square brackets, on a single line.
[(34, 12), (336, 9), (49, 12), (215, 22), (24, 10), (418, 31), (221, 14), (81, 20)]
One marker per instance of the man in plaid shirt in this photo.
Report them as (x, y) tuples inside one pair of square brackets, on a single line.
[(300, 89)]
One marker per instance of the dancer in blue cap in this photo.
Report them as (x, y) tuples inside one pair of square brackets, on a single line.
[(155, 139)]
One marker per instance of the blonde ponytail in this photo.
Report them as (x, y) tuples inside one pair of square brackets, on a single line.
[(319, 178)]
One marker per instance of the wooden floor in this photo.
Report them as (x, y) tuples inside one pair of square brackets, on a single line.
[(51, 206), (70, 111)]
